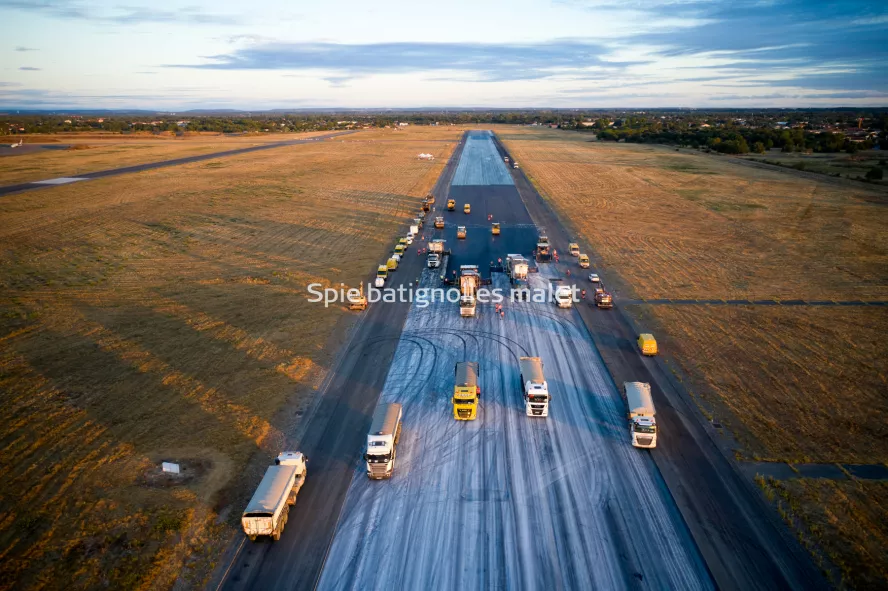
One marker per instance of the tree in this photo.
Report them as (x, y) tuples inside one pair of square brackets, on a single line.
[(758, 148), (874, 174)]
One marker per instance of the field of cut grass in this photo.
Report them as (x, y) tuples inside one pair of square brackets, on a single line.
[(94, 152), (790, 383), (842, 165), (162, 316), (845, 520)]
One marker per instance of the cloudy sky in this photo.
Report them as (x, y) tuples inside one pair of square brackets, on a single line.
[(259, 54)]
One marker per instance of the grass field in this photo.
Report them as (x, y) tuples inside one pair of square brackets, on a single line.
[(836, 164), (94, 152), (161, 316), (792, 384)]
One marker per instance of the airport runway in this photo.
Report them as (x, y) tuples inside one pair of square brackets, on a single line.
[(507, 501), (152, 165)]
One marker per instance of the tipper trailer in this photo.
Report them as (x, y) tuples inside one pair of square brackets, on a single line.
[(469, 282), (642, 415), (466, 391), (382, 441), (267, 512), (534, 387)]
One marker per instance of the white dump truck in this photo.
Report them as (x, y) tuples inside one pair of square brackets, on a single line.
[(437, 245), (517, 267), (267, 512), (434, 260), (642, 415), (469, 282), (534, 387), (382, 441), (562, 295)]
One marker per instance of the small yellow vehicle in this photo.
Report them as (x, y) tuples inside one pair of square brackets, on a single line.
[(461, 232), (399, 250), (439, 222), (647, 344), (359, 301), (392, 264), (495, 229), (451, 204), (584, 261), (467, 208), (574, 249)]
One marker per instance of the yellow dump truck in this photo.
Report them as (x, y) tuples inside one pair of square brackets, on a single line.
[(467, 208), (466, 391), (647, 344), (461, 232), (495, 229), (574, 249), (584, 261), (451, 204)]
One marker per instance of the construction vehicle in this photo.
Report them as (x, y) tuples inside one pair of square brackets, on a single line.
[(505, 158), (267, 512), (469, 282), (466, 391), (451, 204), (534, 387), (392, 263), (594, 278), (437, 246), (574, 249), (434, 260), (603, 299), (430, 199), (426, 206), (382, 441), (642, 414), (359, 301), (418, 223), (562, 295), (543, 252), (517, 268), (414, 229), (647, 344), (467, 208), (460, 231), (515, 164), (495, 229), (439, 222), (583, 261), (381, 275)]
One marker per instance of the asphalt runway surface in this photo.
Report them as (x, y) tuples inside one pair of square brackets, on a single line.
[(507, 501), (152, 165), (742, 539)]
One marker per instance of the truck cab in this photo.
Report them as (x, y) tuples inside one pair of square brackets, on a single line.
[(466, 391), (515, 164), (467, 208), (434, 260), (451, 204), (381, 275), (439, 222), (534, 387), (563, 296), (461, 232), (584, 261), (495, 229), (574, 249), (642, 414)]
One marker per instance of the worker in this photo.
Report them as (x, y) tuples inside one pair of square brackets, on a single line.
[(568, 272), (584, 294)]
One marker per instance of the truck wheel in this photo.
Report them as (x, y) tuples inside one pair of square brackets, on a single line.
[(276, 536), (252, 538)]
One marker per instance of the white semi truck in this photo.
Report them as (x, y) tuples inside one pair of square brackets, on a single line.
[(517, 267), (642, 415), (267, 512), (469, 282), (562, 295), (534, 387), (382, 441)]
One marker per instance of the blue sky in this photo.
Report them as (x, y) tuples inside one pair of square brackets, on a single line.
[(168, 55)]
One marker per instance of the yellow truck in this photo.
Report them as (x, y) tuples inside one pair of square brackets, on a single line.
[(382, 274), (392, 264), (399, 249), (647, 344), (495, 229), (584, 261), (466, 391), (357, 301), (439, 222), (574, 249), (460, 231), (467, 208), (451, 204)]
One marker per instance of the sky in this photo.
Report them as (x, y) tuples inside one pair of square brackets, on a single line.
[(279, 54)]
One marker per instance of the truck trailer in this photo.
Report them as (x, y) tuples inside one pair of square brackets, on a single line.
[(534, 387), (466, 391), (267, 512), (469, 282), (642, 415), (382, 441)]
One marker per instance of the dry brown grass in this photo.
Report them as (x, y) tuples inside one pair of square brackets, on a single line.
[(684, 225), (791, 383), (91, 152), (848, 520), (162, 315)]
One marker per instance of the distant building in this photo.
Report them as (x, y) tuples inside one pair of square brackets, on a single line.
[(403, 124)]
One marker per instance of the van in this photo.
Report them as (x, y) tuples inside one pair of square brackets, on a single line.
[(584, 261), (392, 264), (647, 344), (574, 249), (381, 275), (399, 249)]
